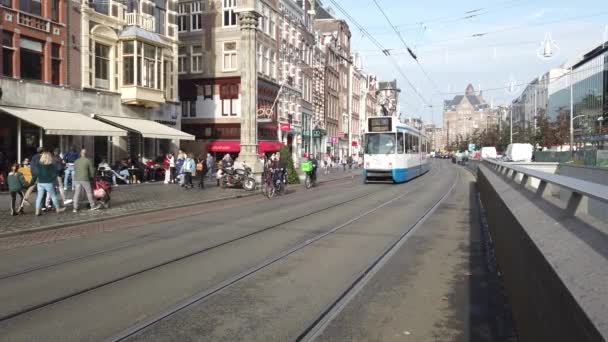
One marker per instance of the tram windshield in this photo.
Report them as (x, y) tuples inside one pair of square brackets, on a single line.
[(380, 143)]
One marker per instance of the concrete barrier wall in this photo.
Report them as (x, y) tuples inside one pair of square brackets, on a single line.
[(598, 175), (544, 263)]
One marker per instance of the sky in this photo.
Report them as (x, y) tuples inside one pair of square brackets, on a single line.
[(438, 32)]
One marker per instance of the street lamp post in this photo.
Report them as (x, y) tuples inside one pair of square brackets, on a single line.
[(511, 126)]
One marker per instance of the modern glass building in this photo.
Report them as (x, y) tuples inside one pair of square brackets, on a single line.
[(588, 78)]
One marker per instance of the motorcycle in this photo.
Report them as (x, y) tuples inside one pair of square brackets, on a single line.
[(232, 177)]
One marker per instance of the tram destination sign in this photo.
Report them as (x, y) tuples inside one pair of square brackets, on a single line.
[(380, 124)]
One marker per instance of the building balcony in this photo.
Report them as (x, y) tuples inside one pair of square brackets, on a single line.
[(142, 96), (111, 8), (35, 22), (142, 20)]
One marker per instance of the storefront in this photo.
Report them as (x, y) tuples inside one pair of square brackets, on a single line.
[(145, 138), (23, 130), (220, 147)]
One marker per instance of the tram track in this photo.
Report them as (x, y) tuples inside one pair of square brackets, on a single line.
[(208, 293), (138, 240), (88, 289)]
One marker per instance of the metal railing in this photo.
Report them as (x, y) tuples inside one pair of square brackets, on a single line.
[(579, 188), (142, 20)]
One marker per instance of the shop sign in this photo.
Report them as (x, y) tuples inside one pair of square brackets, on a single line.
[(354, 144), (285, 126), (317, 133), (341, 134), (334, 140), (265, 114)]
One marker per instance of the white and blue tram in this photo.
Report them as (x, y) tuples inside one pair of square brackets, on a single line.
[(394, 151)]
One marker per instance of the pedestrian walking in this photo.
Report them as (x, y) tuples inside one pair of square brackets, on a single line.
[(46, 176), (34, 170), (210, 165), (189, 170), (178, 167), (69, 159), (16, 182), (172, 169), (83, 174), (201, 170)]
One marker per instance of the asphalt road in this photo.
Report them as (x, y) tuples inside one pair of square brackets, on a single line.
[(254, 269)]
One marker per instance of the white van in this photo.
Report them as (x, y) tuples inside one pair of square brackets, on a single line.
[(519, 153), (488, 152)]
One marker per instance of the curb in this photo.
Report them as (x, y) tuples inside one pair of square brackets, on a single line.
[(101, 219)]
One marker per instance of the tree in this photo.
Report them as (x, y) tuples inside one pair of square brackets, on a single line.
[(292, 174)]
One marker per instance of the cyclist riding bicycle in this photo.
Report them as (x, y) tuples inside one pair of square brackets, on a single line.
[(309, 166)]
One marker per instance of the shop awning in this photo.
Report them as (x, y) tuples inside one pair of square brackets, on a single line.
[(269, 146), (147, 128), (63, 123), (227, 146)]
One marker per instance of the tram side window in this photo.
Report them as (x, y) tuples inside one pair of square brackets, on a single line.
[(408, 143), (400, 143), (423, 145), (414, 144)]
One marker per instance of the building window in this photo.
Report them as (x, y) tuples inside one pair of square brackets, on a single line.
[(55, 64), (197, 17), (273, 67), (7, 53), (31, 6), (266, 64), (197, 59), (148, 66), (272, 25), (128, 75), (185, 109), (260, 59), (102, 66), (55, 10), (182, 19), (229, 93), (30, 57), (160, 15), (208, 91), (182, 60), (229, 62), (229, 7), (192, 109), (7, 3)]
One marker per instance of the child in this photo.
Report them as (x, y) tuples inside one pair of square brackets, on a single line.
[(16, 183)]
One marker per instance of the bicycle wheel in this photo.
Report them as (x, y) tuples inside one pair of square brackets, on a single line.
[(308, 181)]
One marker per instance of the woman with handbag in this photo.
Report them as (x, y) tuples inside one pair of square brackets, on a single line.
[(188, 170)]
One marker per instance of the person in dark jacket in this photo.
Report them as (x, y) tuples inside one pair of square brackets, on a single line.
[(69, 159), (16, 183), (46, 176)]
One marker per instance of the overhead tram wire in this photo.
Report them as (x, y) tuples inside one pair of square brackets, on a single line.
[(412, 54), (385, 51)]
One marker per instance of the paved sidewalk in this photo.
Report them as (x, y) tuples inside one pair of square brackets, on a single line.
[(127, 200)]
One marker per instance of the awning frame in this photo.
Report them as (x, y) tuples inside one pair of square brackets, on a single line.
[(179, 135)]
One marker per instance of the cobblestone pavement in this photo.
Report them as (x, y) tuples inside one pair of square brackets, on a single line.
[(126, 200)]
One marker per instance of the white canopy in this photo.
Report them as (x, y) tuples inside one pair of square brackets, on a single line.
[(147, 128), (63, 123)]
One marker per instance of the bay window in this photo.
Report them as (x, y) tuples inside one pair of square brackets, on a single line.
[(142, 64)]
